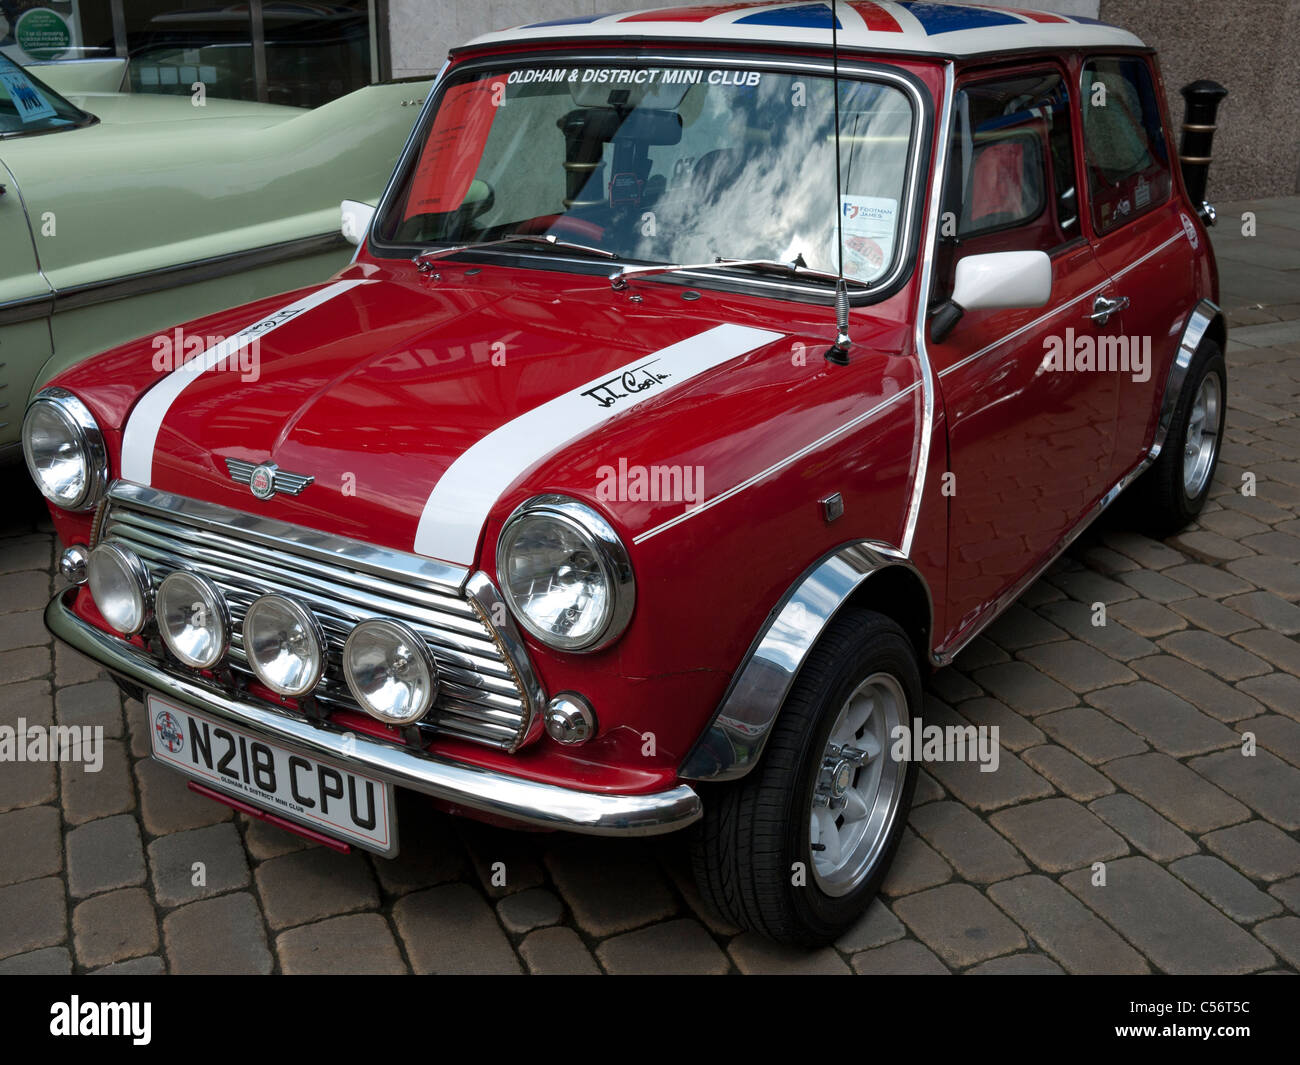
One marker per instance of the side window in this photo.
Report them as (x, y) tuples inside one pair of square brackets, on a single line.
[(1011, 175), (1127, 155)]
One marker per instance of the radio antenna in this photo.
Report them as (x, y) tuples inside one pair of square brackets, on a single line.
[(838, 353)]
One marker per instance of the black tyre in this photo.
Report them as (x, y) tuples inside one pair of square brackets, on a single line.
[(1172, 492), (797, 849)]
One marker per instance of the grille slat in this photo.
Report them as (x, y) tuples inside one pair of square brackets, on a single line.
[(479, 697)]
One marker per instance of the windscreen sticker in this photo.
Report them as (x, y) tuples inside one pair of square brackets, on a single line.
[(869, 224), (27, 99), (455, 145)]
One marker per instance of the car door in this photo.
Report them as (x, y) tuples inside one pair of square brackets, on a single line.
[(1030, 434), (1138, 228), (25, 301)]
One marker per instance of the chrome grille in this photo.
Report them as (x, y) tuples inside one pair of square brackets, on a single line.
[(482, 697)]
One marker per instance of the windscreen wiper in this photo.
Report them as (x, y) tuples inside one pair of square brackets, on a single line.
[(513, 238), (618, 279)]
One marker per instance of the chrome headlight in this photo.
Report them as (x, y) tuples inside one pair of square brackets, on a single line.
[(284, 644), (65, 450), (192, 618), (120, 586), (565, 574), (390, 672)]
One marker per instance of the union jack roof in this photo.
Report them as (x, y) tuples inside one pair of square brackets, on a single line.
[(863, 25)]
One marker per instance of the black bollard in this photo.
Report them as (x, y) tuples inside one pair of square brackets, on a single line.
[(1203, 99)]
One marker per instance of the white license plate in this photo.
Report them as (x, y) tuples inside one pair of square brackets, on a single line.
[(326, 798)]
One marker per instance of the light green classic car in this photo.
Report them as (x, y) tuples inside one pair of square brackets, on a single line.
[(122, 214)]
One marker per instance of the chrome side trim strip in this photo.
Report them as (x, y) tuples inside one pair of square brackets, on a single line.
[(166, 277), (500, 794), (938, 177), (735, 738), (1198, 322), (945, 655), (26, 309)]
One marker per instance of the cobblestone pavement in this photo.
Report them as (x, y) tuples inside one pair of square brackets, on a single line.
[(1122, 744)]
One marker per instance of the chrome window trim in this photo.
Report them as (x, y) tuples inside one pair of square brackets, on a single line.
[(857, 68), (1198, 324), (734, 740)]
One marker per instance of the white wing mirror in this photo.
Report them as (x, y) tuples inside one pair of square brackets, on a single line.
[(1003, 279), (356, 218)]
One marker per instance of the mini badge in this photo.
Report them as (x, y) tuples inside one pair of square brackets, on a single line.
[(266, 479), (169, 731)]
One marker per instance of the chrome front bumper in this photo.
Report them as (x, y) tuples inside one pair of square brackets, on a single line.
[(543, 805)]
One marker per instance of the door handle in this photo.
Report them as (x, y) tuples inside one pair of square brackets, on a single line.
[(1103, 308)]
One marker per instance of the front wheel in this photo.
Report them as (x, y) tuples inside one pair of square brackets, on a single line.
[(1172, 492), (799, 847)]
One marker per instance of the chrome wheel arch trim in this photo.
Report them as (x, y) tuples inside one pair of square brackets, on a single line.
[(732, 743), (938, 175), (1204, 315)]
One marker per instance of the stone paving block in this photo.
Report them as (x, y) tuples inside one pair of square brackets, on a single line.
[(113, 927), (977, 654), (1059, 834), (875, 928), (34, 916), (557, 952), (1075, 778), (1209, 547), (26, 663), (22, 628), (213, 856), (915, 866), (431, 851), (1271, 611), (224, 935), (1288, 892), (903, 958), (755, 955), (1157, 837), (1012, 782), (25, 784), (675, 947), (1154, 587), (1020, 627), (1283, 935), (72, 667), (959, 924), (306, 886), (360, 943), (1017, 965), (1275, 733), (1109, 636), (450, 929), (153, 965), (1186, 798), (1091, 735), (1213, 653), (87, 795), (1226, 888), (1175, 928), (1015, 733), (1207, 580), (1164, 720), (527, 910), (1275, 575), (1148, 553), (1077, 666), (52, 961), (1273, 543), (31, 844), (927, 789), (951, 686), (505, 861), (1258, 849), (1020, 685), (1064, 927), (95, 703), (1264, 782), (29, 701), (1276, 649), (1147, 617), (1107, 562), (32, 553), (25, 590), (263, 840), (977, 852), (137, 727), (103, 855), (1277, 691), (1089, 587), (1197, 687), (167, 805), (609, 886), (1212, 616), (1232, 523)]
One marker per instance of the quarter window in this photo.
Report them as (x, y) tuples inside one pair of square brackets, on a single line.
[(1128, 157)]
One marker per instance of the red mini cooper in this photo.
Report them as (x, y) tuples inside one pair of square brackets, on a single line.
[(702, 374)]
